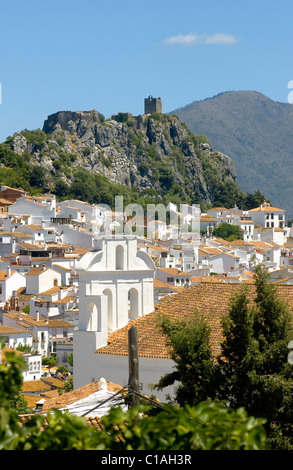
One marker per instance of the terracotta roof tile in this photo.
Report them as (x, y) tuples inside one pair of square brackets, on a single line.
[(36, 271), (4, 276), (164, 285), (51, 291), (211, 299), (9, 330), (174, 271), (266, 208)]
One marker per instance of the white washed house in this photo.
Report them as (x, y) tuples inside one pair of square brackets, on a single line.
[(41, 279), (34, 367), (15, 336), (115, 286), (173, 276), (40, 209), (10, 281), (268, 216)]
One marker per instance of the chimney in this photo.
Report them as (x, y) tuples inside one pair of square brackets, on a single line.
[(8, 271), (38, 315)]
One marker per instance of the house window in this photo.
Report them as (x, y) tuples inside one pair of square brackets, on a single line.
[(170, 279)]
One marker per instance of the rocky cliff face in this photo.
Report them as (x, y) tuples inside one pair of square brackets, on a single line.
[(150, 152)]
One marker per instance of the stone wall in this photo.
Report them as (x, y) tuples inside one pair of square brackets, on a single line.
[(152, 105)]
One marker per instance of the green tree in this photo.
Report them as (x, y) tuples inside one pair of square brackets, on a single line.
[(228, 232), (26, 349), (38, 177), (49, 361), (252, 370), (61, 188), (19, 404), (26, 309), (189, 347), (208, 426), (10, 384), (67, 386), (255, 352), (70, 359), (235, 358), (36, 137), (254, 200)]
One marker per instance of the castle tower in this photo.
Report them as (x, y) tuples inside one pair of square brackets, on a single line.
[(115, 286), (152, 105)]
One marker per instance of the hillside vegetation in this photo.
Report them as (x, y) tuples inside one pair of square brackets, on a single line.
[(147, 159), (256, 132)]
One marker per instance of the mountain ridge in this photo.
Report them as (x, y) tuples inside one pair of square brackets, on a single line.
[(152, 156), (256, 132)]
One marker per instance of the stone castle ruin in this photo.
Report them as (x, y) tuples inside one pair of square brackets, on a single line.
[(152, 105)]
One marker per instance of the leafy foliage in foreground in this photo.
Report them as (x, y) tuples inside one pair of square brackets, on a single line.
[(208, 426)]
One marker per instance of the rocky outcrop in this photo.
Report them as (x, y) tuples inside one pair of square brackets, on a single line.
[(149, 152)]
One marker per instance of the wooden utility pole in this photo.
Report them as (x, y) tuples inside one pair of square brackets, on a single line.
[(133, 381)]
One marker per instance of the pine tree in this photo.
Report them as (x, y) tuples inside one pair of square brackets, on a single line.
[(254, 359), (237, 351), (252, 370), (190, 350)]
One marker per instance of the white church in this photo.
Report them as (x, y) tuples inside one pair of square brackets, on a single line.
[(115, 286)]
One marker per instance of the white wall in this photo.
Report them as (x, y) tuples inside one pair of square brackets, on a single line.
[(223, 263), (12, 283), (17, 339), (38, 212), (36, 283), (34, 364), (115, 286), (76, 236), (115, 368)]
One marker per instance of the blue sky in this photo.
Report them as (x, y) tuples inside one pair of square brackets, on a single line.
[(109, 55)]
